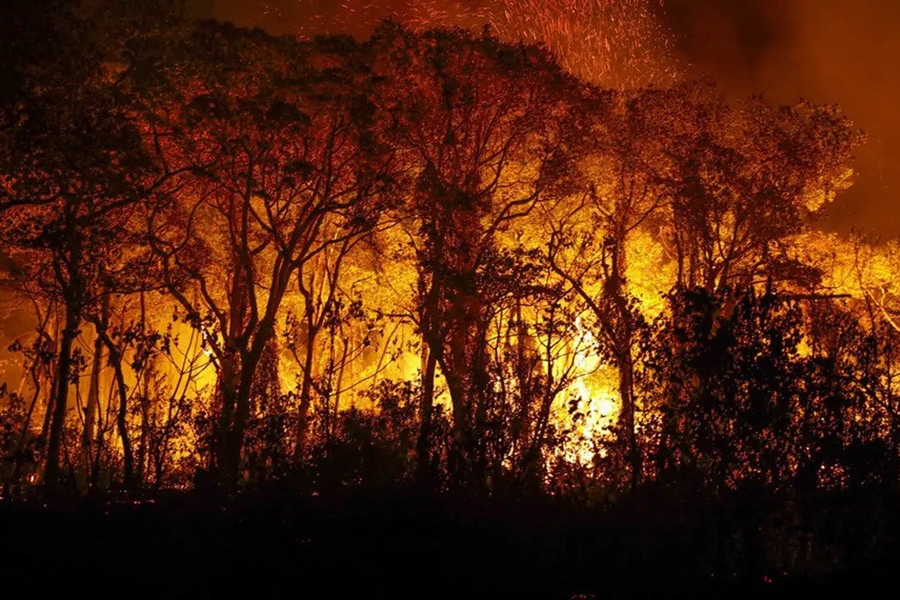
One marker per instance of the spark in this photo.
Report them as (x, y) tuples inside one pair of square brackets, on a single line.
[(617, 43)]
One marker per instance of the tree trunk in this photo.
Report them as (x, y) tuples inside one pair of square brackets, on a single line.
[(623, 347), (625, 366), (52, 470), (626, 416), (339, 382), (228, 450), (465, 374), (231, 438), (145, 450), (115, 359), (226, 453), (458, 455), (535, 442), (305, 393), (90, 418), (23, 434), (423, 443), (144, 441)]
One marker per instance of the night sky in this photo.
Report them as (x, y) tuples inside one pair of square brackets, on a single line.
[(826, 51)]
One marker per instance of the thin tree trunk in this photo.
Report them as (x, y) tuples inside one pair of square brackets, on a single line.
[(115, 361), (340, 379), (542, 419), (130, 481), (100, 440), (23, 434), (626, 416), (305, 393), (144, 441), (423, 443), (90, 417), (59, 406)]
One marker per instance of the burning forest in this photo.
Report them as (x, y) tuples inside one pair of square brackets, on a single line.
[(533, 263)]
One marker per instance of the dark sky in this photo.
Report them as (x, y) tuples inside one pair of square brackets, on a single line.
[(826, 51)]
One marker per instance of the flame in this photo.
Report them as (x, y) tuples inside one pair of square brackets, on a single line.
[(596, 403)]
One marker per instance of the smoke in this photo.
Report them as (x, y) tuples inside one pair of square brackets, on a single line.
[(825, 51)]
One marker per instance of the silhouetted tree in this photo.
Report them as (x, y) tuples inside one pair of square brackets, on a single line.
[(73, 172), (483, 129), (745, 178), (278, 166)]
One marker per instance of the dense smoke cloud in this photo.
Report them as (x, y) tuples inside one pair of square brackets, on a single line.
[(826, 51)]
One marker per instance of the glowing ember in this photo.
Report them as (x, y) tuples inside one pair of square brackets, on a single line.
[(622, 43)]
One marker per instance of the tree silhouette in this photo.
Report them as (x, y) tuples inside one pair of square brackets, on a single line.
[(483, 129), (276, 167), (73, 172)]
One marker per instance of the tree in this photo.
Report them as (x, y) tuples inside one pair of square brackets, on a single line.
[(72, 173), (483, 129), (591, 235), (744, 179), (272, 140)]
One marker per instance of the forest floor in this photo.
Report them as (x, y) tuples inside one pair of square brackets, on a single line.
[(192, 546)]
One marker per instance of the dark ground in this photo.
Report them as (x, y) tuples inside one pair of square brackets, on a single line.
[(376, 547)]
